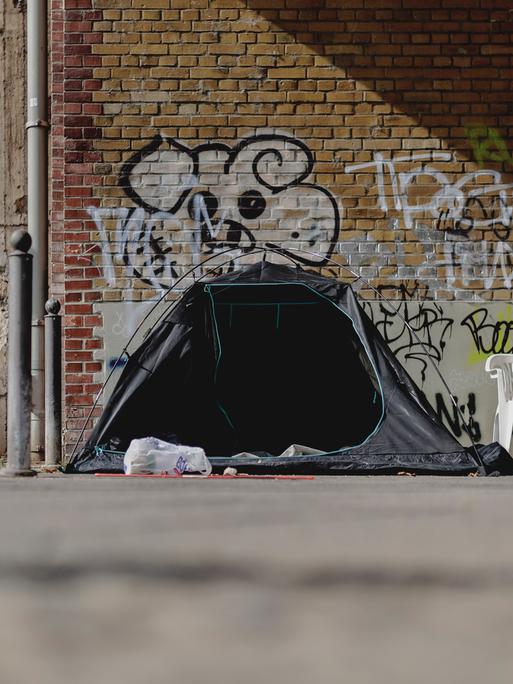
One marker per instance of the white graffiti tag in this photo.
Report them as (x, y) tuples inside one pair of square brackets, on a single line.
[(477, 200)]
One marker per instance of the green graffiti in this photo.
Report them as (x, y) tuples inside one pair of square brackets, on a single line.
[(488, 145)]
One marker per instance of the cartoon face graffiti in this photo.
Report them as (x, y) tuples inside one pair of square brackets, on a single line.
[(213, 197)]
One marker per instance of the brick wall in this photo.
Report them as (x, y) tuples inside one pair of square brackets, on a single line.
[(370, 134)]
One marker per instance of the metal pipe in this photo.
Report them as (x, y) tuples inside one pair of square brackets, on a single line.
[(18, 357), (37, 209), (53, 387)]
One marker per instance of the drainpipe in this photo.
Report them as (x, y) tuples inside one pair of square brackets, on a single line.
[(37, 210)]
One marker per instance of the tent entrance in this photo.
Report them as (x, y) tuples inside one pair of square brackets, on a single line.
[(289, 369)]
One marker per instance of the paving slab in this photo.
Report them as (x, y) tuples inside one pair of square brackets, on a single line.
[(359, 579)]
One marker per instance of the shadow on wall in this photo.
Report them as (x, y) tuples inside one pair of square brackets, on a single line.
[(447, 65)]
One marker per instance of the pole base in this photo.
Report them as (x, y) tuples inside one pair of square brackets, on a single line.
[(48, 468), (17, 472)]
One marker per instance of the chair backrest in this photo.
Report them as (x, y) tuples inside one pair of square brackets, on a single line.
[(500, 366)]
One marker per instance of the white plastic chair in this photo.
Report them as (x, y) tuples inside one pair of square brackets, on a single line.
[(500, 367)]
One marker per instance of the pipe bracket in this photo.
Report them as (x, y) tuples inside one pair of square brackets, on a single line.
[(37, 123)]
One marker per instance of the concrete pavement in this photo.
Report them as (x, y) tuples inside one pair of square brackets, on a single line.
[(396, 580)]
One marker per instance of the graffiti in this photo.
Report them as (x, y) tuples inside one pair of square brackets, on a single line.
[(488, 145), (406, 290), (436, 334), (456, 337), (489, 262), (417, 333), (475, 213), (138, 242), (193, 202), (489, 336), (477, 200), (116, 362), (462, 421), (478, 204)]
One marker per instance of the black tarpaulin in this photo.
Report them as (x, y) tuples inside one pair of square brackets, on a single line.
[(248, 364)]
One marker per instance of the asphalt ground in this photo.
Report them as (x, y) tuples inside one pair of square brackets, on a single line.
[(364, 580)]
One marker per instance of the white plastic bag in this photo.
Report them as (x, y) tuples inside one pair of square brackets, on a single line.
[(149, 456)]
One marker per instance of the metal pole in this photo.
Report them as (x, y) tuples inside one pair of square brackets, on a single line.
[(53, 426), (18, 357), (37, 208)]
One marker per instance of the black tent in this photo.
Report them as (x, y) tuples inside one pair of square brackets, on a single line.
[(268, 356)]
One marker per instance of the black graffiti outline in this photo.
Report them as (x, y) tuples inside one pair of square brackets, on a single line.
[(407, 292), (429, 314), (158, 254), (499, 228), (268, 137), (138, 157), (453, 419), (507, 228), (476, 322), (233, 152)]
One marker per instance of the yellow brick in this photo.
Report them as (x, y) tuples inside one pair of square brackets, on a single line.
[(287, 73)]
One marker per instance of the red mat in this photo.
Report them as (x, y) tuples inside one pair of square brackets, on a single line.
[(214, 477)]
